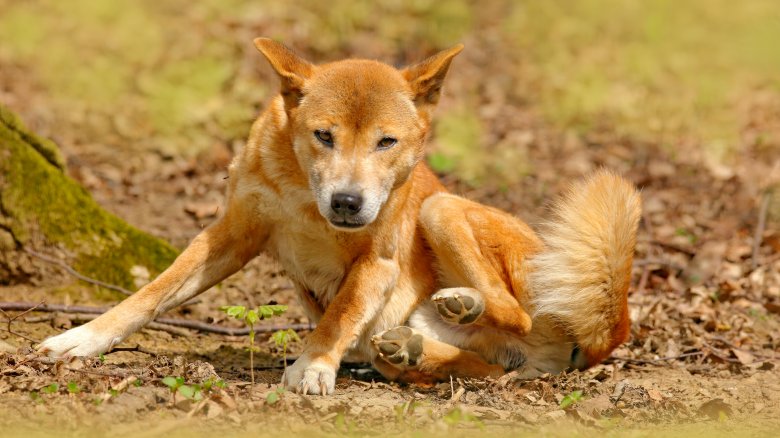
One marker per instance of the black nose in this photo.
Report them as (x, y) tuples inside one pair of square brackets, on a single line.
[(346, 204)]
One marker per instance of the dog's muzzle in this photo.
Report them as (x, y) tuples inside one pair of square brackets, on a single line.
[(345, 207)]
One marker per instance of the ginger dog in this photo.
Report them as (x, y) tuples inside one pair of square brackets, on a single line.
[(421, 283)]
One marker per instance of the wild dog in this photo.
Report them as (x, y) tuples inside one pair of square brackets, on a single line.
[(421, 283)]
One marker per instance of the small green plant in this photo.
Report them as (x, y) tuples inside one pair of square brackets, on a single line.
[(250, 317), (36, 397), (274, 396), (282, 338), (51, 389), (212, 383), (102, 358), (193, 392), (73, 387), (571, 399), (173, 383)]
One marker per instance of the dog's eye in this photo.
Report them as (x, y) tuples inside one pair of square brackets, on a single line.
[(386, 143), (325, 137)]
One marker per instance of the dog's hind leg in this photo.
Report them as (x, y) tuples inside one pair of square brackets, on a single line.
[(479, 249), (215, 253), (406, 355)]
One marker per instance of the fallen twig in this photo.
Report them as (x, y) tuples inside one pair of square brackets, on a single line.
[(75, 273), (97, 373), (673, 247), (185, 323), (656, 361), (137, 348), (10, 320), (174, 330)]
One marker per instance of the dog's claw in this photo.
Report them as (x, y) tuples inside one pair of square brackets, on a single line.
[(307, 376)]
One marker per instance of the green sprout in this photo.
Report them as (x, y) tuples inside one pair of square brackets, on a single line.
[(571, 399), (250, 317), (282, 338), (51, 389), (176, 385), (73, 387), (193, 392), (274, 396)]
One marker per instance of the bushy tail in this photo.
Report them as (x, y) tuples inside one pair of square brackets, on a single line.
[(581, 277)]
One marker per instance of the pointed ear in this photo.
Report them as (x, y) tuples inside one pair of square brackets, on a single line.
[(292, 69), (427, 77)]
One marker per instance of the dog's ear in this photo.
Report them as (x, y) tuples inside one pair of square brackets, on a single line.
[(291, 68), (427, 77)]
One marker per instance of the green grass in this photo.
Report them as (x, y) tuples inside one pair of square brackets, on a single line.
[(662, 70)]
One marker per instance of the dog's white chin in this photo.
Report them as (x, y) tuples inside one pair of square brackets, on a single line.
[(346, 226)]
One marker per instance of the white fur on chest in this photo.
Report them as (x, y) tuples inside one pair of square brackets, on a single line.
[(309, 258)]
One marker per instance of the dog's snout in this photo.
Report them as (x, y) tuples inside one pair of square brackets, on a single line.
[(346, 204)]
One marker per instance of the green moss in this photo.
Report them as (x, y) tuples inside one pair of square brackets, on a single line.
[(38, 199), (48, 150)]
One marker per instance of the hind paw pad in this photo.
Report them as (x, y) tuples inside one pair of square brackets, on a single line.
[(459, 305), (400, 346)]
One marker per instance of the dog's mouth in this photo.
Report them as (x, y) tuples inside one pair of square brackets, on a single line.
[(343, 223)]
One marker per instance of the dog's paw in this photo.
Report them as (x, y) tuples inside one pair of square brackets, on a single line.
[(307, 376), (400, 346), (81, 341), (459, 305)]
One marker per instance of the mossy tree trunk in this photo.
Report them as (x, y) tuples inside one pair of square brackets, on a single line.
[(43, 209)]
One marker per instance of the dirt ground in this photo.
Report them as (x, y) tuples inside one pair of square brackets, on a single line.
[(705, 298), (702, 356)]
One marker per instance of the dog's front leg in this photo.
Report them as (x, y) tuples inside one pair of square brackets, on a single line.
[(358, 301), (215, 253)]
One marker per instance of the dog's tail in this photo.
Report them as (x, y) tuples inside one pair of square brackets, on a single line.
[(581, 277)]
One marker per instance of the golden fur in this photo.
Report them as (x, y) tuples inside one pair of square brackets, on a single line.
[(480, 291)]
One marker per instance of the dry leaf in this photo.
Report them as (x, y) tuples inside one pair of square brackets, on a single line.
[(744, 357), (655, 395)]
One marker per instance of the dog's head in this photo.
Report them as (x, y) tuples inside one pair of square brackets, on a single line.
[(358, 127)]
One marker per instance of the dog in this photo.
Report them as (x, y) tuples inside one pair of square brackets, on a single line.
[(419, 282)]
